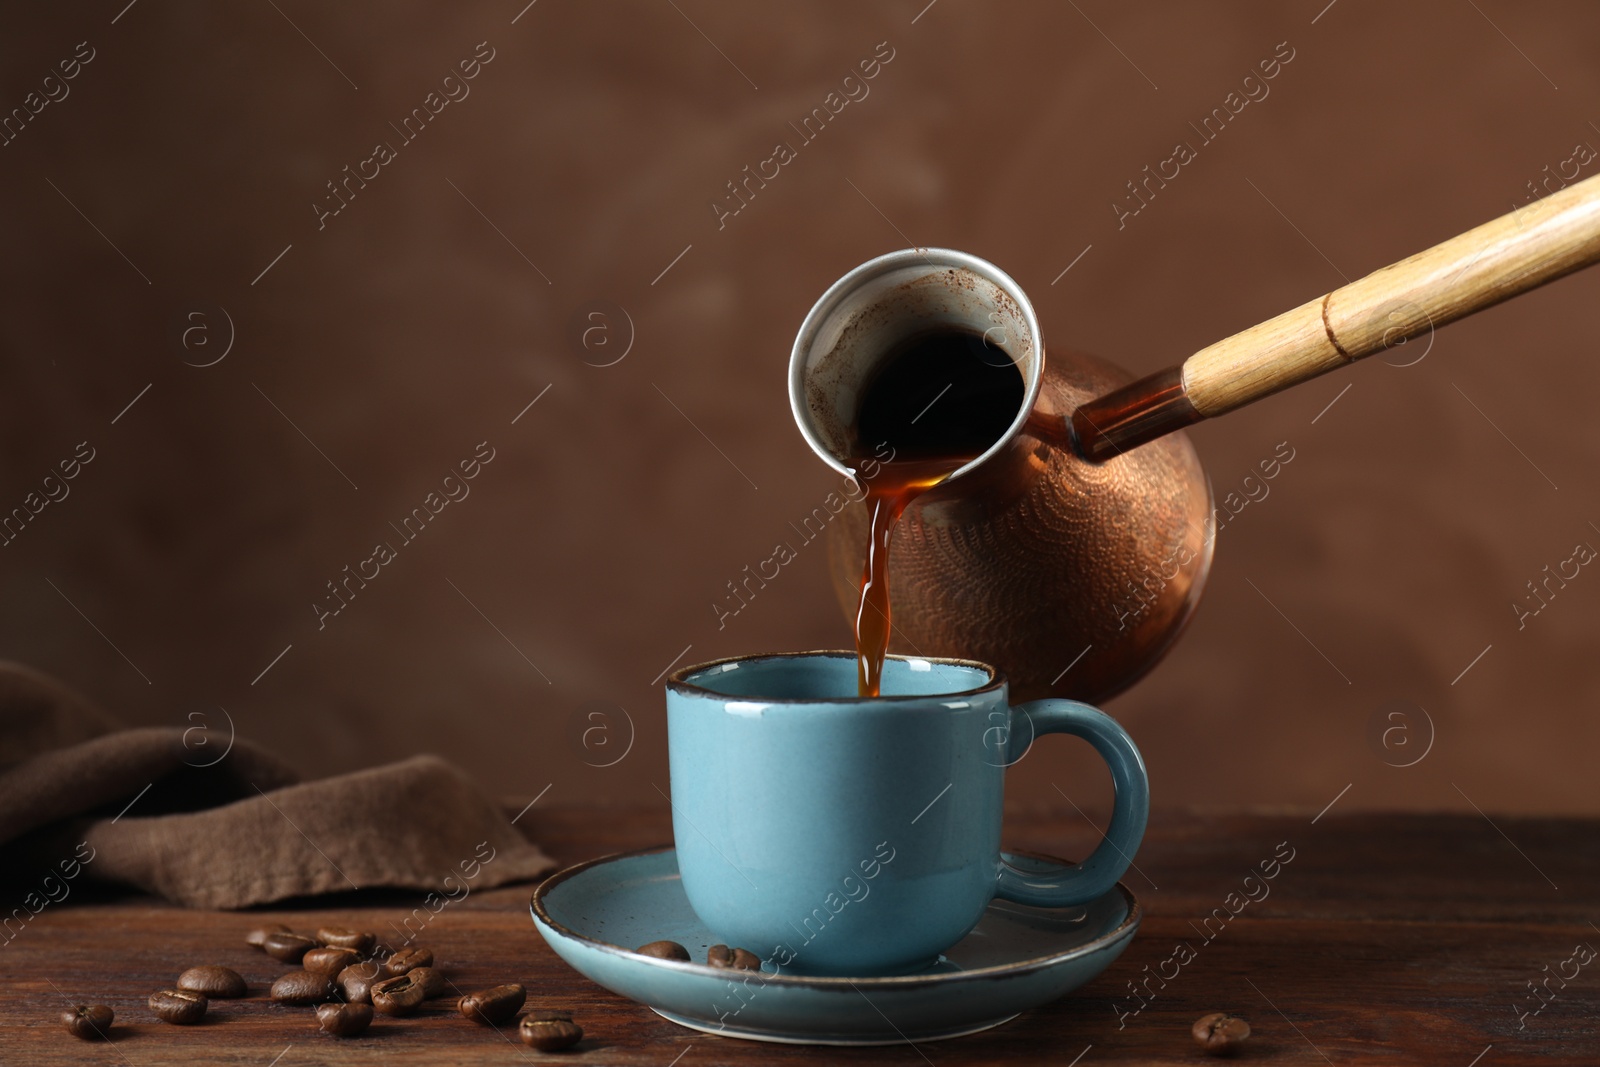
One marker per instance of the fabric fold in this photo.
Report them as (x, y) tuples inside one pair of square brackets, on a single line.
[(209, 821)]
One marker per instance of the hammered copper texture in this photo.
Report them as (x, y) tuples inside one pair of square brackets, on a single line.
[(1037, 556)]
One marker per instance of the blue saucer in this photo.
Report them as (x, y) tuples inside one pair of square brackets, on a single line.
[(1017, 958)]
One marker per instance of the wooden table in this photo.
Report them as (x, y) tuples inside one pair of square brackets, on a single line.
[(1385, 939)]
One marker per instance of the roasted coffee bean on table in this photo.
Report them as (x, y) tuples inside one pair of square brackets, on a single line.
[(302, 987), (257, 938), (287, 947), (329, 961), (493, 1006), (179, 1006), (664, 950), (549, 1031), (217, 983), (344, 1020), (92, 1022), (431, 979), (342, 937), (737, 959), (404, 993), (356, 981), (407, 959), (1219, 1033), (396, 996)]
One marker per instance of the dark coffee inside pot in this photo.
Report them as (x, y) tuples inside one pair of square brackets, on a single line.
[(938, 399)]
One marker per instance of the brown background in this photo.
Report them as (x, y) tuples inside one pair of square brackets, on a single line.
[(409, 329)]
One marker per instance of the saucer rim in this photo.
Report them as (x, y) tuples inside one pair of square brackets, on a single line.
[(784, 1037), (1129, 924)]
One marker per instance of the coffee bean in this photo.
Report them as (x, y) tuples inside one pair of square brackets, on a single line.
[(287, 947), (404, 993), (178, 1006), (302, 987), (218, 983), (356, 981), (664, 950), (328, 961), (92, 1022), (549, 1031), (342, 937), (737, 959), (431, 979), (493, 1006), (257, 938), (407, 959), (344, 1020), (401, 999), (1219, 1033)]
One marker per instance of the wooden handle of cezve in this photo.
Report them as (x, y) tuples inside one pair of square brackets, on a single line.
[(1535, 244)]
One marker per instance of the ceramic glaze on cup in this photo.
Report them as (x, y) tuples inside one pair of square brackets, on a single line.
[(835, 834)]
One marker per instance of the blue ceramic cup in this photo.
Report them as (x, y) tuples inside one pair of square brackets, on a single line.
[(842, 835)]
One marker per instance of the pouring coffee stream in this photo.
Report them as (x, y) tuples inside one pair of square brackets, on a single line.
[(900, 409), (1069, 544)]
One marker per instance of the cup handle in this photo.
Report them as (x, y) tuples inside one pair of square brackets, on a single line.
[(1096, 875)]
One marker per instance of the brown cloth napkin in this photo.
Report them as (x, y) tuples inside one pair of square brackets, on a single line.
[(166, 811)]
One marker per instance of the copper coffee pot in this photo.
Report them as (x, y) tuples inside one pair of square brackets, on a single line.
[(1073, 551)]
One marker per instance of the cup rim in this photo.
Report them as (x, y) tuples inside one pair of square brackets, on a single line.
[(678, 682)]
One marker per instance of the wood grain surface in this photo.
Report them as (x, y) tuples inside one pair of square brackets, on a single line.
[(1396, 939)]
